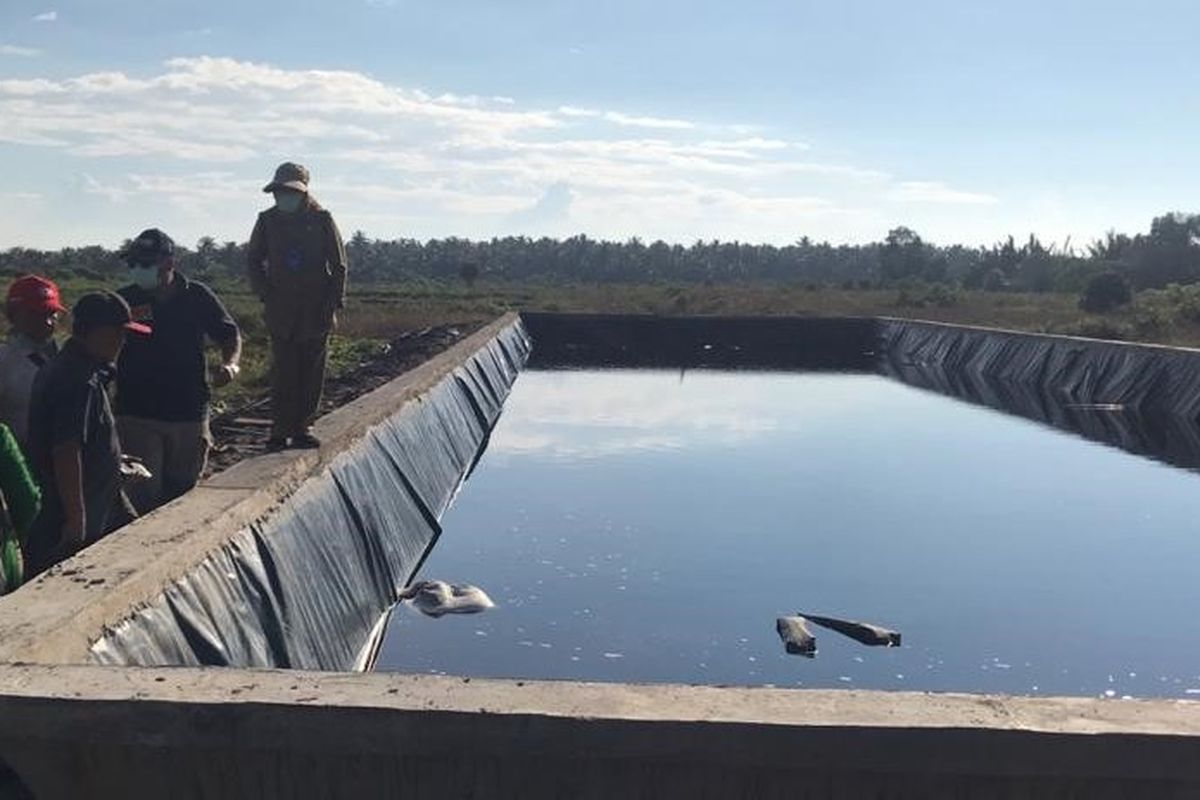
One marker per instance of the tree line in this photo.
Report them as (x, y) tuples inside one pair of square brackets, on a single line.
[(1168, 254)]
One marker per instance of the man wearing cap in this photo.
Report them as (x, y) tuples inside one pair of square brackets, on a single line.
[(73, 445), (33, 308), (162, 379), (297, 267)]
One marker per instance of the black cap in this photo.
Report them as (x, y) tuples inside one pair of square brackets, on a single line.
[(150, 247), (103, 310)]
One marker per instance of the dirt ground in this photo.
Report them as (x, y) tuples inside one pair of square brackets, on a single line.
[(241, 432)]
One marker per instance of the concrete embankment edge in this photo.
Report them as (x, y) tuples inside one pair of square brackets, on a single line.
[(189, 733)]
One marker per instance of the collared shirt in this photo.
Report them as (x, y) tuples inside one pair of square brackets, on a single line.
[(70, 406), (20, 360), (164, 376)]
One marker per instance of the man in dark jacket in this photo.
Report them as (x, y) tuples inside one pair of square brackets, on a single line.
[(297, 267), (162, 379), (73, 443)]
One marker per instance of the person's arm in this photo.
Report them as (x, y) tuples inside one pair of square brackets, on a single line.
[(68, 477), (231, 351), (71, 404), (256, 260), (231, 354), (335, 251), (220, 326)]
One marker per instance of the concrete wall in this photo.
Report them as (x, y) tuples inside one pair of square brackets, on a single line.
[(185, 733), (71, 729)]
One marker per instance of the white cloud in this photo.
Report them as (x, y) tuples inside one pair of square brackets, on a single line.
[(91, 185), (627, 120), (648, 122), (552, 209), (203, 133), (575, 111), (938, 192), (16, 50), (47, 16)]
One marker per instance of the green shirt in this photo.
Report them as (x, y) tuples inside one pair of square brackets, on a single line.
[(20, 501)]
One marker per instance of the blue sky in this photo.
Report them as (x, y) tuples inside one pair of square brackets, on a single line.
[(760, 121)]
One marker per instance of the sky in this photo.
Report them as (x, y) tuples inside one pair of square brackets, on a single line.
[(757, 121)]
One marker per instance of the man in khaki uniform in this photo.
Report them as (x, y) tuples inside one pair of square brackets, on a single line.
[(297, 265)]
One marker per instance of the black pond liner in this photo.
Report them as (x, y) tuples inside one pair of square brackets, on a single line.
[(307, 588), (310, 587)]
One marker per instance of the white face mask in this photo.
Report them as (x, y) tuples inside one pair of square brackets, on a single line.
[(288, 202), (144, 277)]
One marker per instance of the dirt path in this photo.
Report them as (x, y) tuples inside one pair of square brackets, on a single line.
[(240, 433)]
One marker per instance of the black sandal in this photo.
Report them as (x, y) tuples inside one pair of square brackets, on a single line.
[(306, 441)]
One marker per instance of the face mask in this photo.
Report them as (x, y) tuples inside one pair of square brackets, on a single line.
[(288, 202), (144, 277)]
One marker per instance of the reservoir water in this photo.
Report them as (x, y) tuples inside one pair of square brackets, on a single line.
[(649, 526)]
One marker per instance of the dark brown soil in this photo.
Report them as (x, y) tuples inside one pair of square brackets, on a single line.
[(241, 432)]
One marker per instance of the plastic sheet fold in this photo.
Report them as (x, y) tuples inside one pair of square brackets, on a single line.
[(305, 588), (1140, 398)]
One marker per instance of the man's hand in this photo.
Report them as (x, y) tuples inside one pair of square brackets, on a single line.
[(226, 373), (134, 470)]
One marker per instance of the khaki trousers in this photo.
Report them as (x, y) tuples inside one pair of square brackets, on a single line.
[(297, 380), (174, 452)]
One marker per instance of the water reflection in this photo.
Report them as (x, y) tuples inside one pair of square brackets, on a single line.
[(635, 527), (1168, 438), (595, 414)]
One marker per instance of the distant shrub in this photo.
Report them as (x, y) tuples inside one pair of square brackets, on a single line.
[(922, 295), (1174, 303), (1106, 292), (995, 281), (1096, 329), (469, 272)]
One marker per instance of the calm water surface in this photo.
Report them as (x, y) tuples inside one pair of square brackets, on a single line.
[(651, 525)]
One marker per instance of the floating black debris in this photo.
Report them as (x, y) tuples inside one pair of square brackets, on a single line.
[(797, 638), (872, 635)]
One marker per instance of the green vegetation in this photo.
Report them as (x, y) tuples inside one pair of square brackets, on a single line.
[(1105, 292), (1168, 253), (1142, 287)]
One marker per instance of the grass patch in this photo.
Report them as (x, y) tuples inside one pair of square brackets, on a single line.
[(376, 314)]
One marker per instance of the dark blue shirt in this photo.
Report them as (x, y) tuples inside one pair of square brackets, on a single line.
[(70, 406), (164, 376)]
